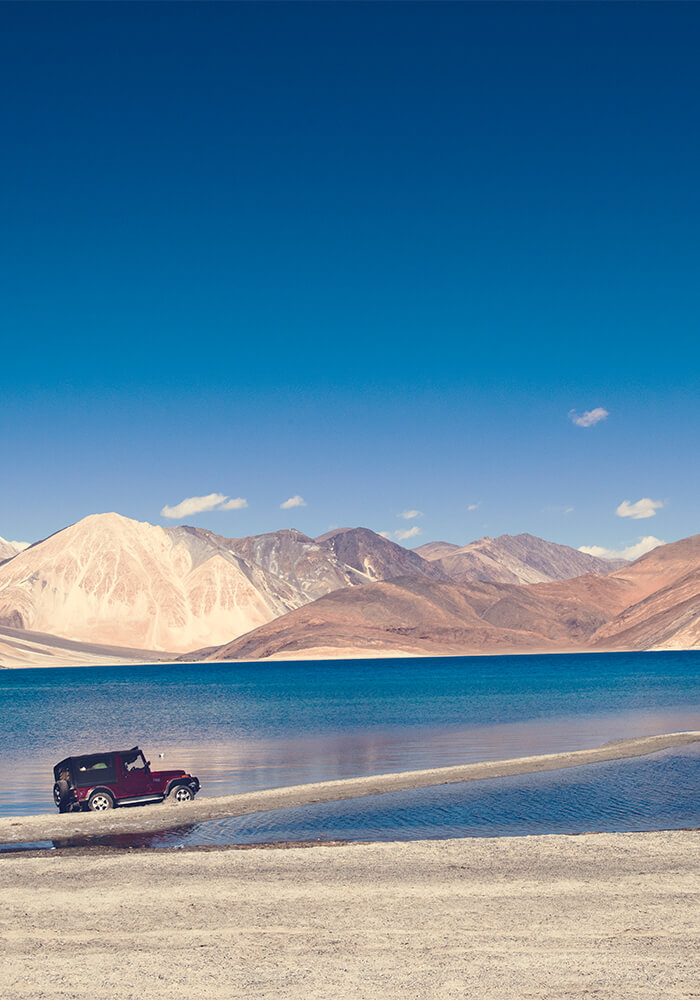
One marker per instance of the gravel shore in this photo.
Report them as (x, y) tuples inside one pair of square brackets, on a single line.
[(601, 915)]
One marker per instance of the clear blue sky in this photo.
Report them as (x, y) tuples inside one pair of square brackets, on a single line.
[(369, 254)]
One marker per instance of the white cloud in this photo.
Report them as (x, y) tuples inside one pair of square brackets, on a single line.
[(296, 501), (640, 548), (410, 514), (193, 505), (407, 533), (641, 509), (236, 503), (384, 534), (198, 505), (474, 506), (589, 417)]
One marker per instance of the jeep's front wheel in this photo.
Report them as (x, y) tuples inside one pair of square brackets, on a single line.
[(181, 794), (100, 801)]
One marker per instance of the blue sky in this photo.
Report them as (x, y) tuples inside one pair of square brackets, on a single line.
[(371, 255)]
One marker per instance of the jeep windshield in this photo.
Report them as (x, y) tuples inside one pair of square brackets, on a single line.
[(134, 760)]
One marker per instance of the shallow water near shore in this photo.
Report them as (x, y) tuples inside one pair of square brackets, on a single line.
[(247, 726), (660, 791)]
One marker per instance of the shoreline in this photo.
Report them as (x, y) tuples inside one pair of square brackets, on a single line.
[(165, 816), (348, 655), (529, 918)]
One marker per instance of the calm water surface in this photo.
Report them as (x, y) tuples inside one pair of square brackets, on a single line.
[(245, 726)]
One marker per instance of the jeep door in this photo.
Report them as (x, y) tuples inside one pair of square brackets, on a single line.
[(136, 776)]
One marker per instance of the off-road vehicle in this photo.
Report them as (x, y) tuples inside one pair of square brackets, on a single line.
[(101, 781)]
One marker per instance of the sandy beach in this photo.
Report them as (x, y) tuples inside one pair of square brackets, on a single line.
[(607, 915), (597, 915)]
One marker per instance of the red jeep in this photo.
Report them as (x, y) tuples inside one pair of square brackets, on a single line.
[(101, 781)]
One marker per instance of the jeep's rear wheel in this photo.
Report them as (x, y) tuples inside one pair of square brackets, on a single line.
[(181, 794), (100, 801), (61, 791)]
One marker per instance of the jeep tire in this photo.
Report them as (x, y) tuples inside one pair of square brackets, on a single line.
[(61, 791), (181, 793), (100, 802)]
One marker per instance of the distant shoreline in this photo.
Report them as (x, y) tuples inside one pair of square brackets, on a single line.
[(179, 659)]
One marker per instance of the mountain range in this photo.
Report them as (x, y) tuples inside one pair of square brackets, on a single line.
[(130, 589)]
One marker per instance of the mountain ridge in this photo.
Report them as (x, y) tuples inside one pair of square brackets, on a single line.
[(111, 581)]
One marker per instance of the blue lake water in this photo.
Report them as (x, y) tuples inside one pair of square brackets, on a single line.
[(261, 725)]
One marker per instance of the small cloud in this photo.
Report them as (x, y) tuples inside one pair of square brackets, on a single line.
[(384, 534), (237, 503), (198, 505), (194, 505), (410, 514), (641, 509), (296, 501), (589, 417), (558, 510), (407, 533), (474, 506), (640, 548)]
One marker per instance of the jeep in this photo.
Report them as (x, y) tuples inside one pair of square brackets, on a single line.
[(102, 781)]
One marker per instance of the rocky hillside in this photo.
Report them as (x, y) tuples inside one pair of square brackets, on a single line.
[(652, 602), (108, 579), (515, 559), (377, 558)]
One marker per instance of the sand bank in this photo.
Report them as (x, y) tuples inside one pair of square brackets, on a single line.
[(162, 817), (610, 915)]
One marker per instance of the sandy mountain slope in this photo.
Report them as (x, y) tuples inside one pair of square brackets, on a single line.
[(664, 606), (520, 559), (422, 616), (111, 580), (377, 558)]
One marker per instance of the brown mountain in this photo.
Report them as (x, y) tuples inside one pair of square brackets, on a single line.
[(519, 559), (422, 617), (375, 557), (436, 550), (652, 602), (665, 611)]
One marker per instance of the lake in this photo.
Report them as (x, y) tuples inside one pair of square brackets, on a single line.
[(259, 725)]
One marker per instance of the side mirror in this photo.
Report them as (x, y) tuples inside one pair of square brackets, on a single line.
[(148, 763)]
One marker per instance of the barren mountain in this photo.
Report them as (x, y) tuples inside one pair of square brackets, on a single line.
[(519, 559), (664, 610), (116, 582), (309, 566), (436, 550), (111, 580), (652, 602), (375, 557), (422, 616)]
